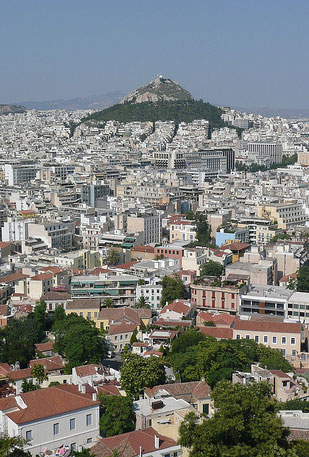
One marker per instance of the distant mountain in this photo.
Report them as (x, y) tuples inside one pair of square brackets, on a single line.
[(286, 113), (159, 90), (162, 99), (92, 102), (11, 109)]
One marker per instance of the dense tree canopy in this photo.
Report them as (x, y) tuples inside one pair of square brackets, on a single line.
[(79, 341), (40, 318), (173, 288), (245, 423), (138, 373), (12, 446), (18, 339), (116, 415), (218, 360), (112, 257), (178, 111), (211, 268), (303, 279)]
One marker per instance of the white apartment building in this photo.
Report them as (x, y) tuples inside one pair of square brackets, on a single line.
[(265, 153), (18, 173), (149, 224), (152, 294), (49, 418), (55, 234), (15, 230)]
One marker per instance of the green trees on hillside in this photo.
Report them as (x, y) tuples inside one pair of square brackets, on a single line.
[(212, 268), (178, 111)]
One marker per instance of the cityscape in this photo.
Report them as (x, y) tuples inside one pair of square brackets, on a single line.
[(154, 273)]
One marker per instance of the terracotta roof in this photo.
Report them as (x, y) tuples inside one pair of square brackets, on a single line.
[(44, 346), (17, 276), (83, 303), (125, 314), (42, 277), (280, 374), (4, 368), (114, 329), (287, 277), (4, 310), (56, 400), (97, 271), (217, 319), (173, 323), (127, 265), (236, 246), (154, 353), (217, 332), (267, 326), (56, 295), (49, 363), (4, 244), (52, 269), (19, 374), (129, 444), (178, 306), (143, 248), (108, 389), (185, 390), (87, 370)]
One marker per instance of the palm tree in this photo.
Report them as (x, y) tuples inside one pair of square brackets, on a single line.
[(142, 303)]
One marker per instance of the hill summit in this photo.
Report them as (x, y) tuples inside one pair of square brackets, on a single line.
[(159, 90)]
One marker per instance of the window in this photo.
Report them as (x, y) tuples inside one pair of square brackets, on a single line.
[(73, 446), (89, 419), (256, 338), (149, 422), (274, 340), (265, 339), (293, 341), (293, 353), (89, 440), (29, 435), (56, 428), (206, 408), (283, 352), (247, 337), (72, 424), (237, 337), (283, 340)]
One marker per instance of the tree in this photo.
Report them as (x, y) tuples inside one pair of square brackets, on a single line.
[(173, 288), (79, 341), (116, 415), (28, 386), (83, 453), (211, 268), (138, 373), (301, 448), (59, 313), (108, 302), (303, 279), (40, 318), (296, 404), (54, 383), (245, 423), (17, 341), (12, 446), (203, 231), (112, 257), (142, 303), (133, 338), (38, 372)]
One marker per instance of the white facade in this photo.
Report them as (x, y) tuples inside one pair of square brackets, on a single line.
[(15, 230), (152, 294)]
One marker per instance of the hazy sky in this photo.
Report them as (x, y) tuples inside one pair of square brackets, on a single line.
[(234, 52)]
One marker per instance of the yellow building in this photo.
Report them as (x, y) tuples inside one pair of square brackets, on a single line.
[(89, 308)]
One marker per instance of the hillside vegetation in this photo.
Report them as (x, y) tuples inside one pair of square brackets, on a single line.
[(178, 111)]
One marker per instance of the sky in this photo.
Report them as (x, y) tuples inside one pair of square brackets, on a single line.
[(247, 53)]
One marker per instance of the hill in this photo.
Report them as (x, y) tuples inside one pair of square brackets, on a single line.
[(11, 109), (178, 111), (158, 90), (93, 102)]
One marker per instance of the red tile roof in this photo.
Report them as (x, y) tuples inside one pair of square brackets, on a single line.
[(115, 329), (48, 346), (56, 400), (129, 444), (108, 389), (267, 326), (14, 375), (49, 363), (217, 332), (178, 306), (236, 246), (42, 277), (143, 248), (87, 370), (185, 390), (17, 276)]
